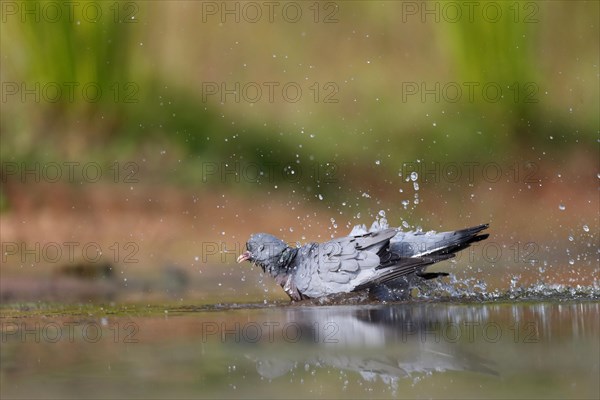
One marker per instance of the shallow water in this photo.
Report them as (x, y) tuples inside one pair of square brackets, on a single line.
[(413, 350)]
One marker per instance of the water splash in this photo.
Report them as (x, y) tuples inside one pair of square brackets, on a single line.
[(474, 288), (471, 289)]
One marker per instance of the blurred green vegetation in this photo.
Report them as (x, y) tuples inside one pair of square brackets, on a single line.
[(150, 60)]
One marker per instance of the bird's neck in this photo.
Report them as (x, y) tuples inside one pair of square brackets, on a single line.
[(284, 264), (287, 258)]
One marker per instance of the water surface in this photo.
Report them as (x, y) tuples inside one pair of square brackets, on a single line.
[(412, 350)]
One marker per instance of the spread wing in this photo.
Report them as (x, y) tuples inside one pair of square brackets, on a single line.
[(367, 260), (353, 263)]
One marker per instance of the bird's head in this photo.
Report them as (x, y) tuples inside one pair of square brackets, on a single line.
[(267, 251)]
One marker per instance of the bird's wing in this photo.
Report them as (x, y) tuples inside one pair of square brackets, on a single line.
[(340, 264), (359, 262), (340, 261), (344, 259), (404, 266)]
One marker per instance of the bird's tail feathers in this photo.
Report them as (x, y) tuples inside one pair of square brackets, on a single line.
[(420, 244)]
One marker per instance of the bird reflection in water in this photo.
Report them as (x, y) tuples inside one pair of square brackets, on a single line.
[(378, 342)]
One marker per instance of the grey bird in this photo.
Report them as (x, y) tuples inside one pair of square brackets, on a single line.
[(386, 263)]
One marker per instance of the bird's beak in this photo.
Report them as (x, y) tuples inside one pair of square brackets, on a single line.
[(244, 256)]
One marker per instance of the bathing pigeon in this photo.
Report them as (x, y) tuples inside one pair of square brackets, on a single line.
[(386, 263)]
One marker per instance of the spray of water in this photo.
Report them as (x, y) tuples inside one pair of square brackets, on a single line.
[(476, 289)]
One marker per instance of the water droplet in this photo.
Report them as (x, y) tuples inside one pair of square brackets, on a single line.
[(414, 176), (586, 228), (377, 162), (415, 185), (571, 238), (561, 207), (571, 262), (320, 196)]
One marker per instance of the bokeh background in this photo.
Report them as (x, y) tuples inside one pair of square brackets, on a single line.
[(142, 142)]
